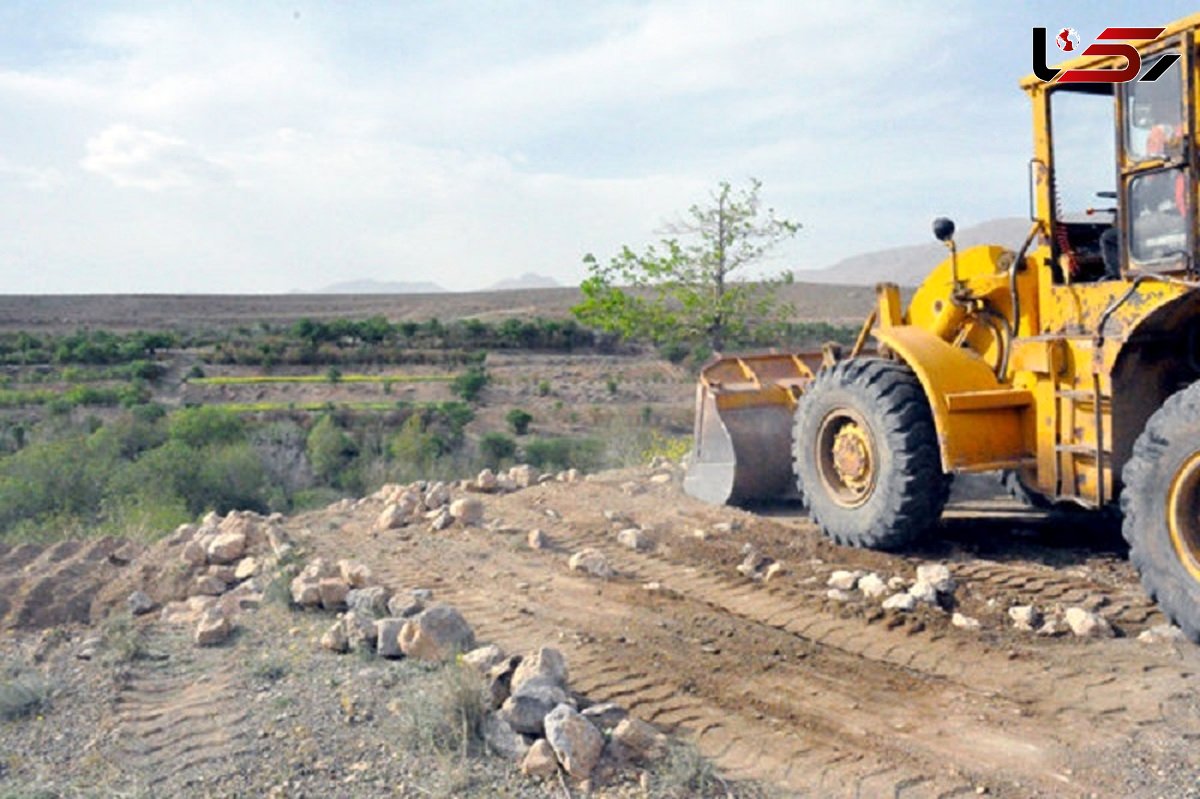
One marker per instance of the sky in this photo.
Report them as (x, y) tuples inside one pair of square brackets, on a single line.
[(231, 147)]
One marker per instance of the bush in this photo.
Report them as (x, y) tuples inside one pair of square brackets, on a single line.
[(543, 388), (414, 446), (519, 419), (470, 384), (204, 425), (22, 696), (495, 448), (333, 374), (564, 453), (329, 449)]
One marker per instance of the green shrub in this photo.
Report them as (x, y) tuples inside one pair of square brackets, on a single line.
[(195, 372), (495, 448), (206, 424), (543, 388), (518, 420), (329, 449), (333, 374), (564, 453), (470, 384), (22, 696), (414, 446)]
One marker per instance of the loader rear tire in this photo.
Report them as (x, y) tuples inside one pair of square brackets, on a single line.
[(866, 454), (1161, 503)]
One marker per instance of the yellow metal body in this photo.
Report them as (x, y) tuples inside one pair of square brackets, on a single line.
[(1023, 368)]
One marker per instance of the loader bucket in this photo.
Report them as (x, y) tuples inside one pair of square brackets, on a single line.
[(743, 431)]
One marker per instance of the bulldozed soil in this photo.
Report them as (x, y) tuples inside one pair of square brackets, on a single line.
[(774, 680)]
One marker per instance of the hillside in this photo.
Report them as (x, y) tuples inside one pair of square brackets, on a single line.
[(908, 266)]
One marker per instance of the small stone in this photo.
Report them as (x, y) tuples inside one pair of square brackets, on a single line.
[(335, 640), (591, 561), (1161, 634), (902, 602), (965, 622), (227, 547), (773, 571), (139, 603), (523, 476), (632, 488), (214, 628), (537, 539), (1087, 624), (660, 479), (306, 590), (575, 740), (502, 739), (88, 648), (356, 575), (606, 715), (223, 572), (546, 664), (467, 510), (482, 659), (333, 592), (724, 528), (572, 476), (838, 595), (872, 586), (387, 637), (618, 517), (633, 538), (208, 585), (1025, 617), (640, 739), (438, 633), (844, 580), (753, 565), (246, 568), (436, 497), (540, 761), (1051, 628), (371, 601), (897, 584), (936, 575)]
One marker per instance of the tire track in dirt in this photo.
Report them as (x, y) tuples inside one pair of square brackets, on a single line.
[(49, 585), (178, 714)]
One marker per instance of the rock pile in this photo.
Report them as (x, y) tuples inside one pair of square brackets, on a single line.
[(225, 558)]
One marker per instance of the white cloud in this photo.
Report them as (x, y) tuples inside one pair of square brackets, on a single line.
[(147, 159)]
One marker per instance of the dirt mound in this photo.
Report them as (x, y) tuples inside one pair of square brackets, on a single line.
[(47, 585)]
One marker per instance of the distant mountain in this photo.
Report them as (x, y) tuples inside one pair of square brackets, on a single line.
[(380, 287), (529, 280), (908, 266)]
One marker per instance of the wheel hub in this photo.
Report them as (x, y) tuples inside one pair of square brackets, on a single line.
[(1183, 514), (846, 459)]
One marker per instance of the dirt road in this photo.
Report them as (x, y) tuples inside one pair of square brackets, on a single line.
[(778, 682)]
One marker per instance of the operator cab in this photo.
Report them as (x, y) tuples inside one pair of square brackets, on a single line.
[(1119, 176)]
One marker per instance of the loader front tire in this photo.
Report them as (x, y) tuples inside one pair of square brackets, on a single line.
[(1161, 503), (866, 454)]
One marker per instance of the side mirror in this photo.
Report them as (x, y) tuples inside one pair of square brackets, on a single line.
[(943, 228)]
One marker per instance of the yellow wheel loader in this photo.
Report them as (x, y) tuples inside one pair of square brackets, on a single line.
[(1071, 365)]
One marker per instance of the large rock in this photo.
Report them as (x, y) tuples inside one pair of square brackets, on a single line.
[(523, 476), (356, 574), (467, 510), (633, 538), (208, 585), (502, 739), (639, 739), (936, 575), (486, 480), (537, 539), (392, 517), (591, 561), (1025, 617), (306, 590), (1161, 634), (499, 680), (246, 568), (546, 665), (1087, 624), (922, 591), (139, 603), (227, 547), (371, 601), (438, 633), (213, 629), (526, 709), (483, 659), (246, 524), (606, 715), (540, 761), (872, 586), (902, 602), (404, 606), (361, 632), (193, 554), (335, 640), (387, 637), (576, 741), (436, 497), (333, 592)]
